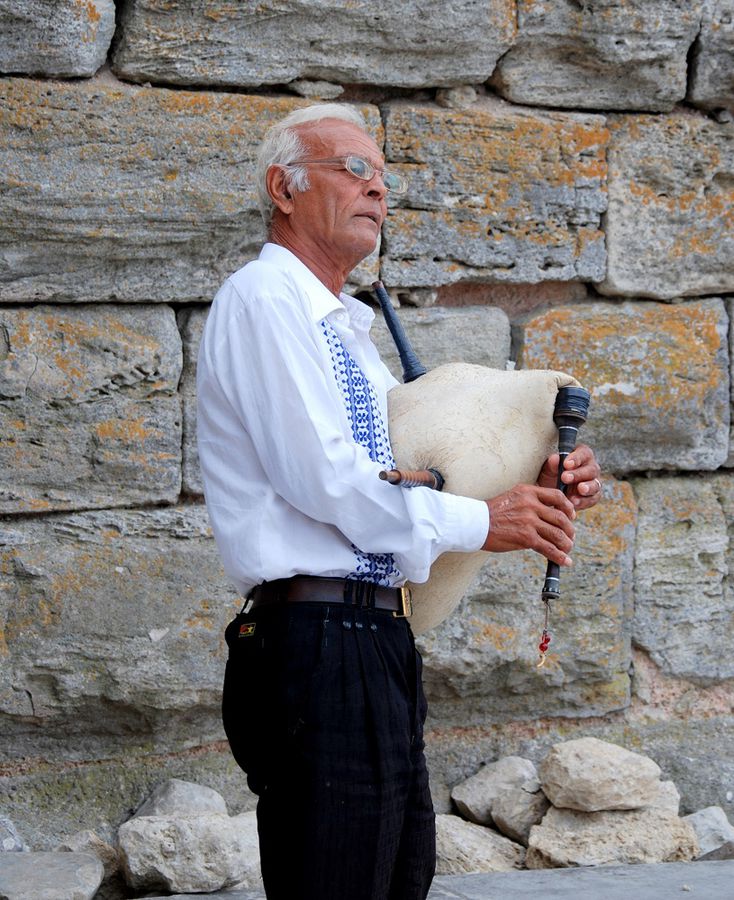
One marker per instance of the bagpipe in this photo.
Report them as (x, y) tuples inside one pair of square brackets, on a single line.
[(474, 431)]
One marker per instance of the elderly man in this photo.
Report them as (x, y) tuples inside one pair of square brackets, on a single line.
[(323, 704)]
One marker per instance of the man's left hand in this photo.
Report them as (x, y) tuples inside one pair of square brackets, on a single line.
[(581, 474)]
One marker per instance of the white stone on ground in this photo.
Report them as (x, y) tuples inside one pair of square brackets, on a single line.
[(463, 847), (49, 876), (713, 830), (567, 837), (475, 796), (591, 775), (182, 798)]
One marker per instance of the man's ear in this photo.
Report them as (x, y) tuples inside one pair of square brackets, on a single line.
[(277, 184)]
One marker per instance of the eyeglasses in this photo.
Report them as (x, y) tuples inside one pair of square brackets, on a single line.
[(360, 168)]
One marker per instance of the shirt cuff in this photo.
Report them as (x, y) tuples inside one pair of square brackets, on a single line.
[(469, 521)]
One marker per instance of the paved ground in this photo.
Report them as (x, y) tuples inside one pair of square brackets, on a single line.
[(701, 880)]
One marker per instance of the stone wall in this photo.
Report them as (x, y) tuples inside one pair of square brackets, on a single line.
[(571, 206)]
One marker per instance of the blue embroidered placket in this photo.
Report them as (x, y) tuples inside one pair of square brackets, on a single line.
[(368, 430)]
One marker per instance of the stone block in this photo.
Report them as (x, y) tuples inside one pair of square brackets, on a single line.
[(89, 411), (567, 837), (730, 310), (480, 664), (671, 192), (497, 193), (478, 335), (463, 847), (192, 323), (723, 487), (110, 191), (592, 775), (712, 62), (64, 39), (515, 299), (658, 376), (49, 876), (380, 43), (684, 603), (600, 54), (111, 624)]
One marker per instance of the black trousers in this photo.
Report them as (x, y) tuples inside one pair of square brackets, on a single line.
[(324, 708)]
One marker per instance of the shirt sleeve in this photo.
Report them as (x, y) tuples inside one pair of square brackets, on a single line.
[(269, 364)]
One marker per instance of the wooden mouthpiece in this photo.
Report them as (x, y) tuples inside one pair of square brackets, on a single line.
[(429, 478)]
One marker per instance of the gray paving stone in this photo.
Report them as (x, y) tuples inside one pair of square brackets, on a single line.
[(702, 880)]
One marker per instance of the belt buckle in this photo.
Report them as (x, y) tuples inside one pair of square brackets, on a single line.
[(406, 604)]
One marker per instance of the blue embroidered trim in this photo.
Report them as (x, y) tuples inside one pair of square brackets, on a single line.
[(368, 430)]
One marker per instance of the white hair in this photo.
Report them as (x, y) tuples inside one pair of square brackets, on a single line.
[(281, 146)]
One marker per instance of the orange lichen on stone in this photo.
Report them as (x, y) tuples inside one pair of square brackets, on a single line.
[(612, 521), (128, 430), (501, 637), (676, 341), (90, 8)]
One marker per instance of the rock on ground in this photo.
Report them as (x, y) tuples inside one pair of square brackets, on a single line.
[(198, 853), (668, 797), (567, 837), (88, 842), (182, 798), (588, 774), (713, 830), (517, 809), (465, 847), (10, 839), (49, 876), (475, 796)]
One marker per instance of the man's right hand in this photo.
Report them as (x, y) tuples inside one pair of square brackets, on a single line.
[(528, 517)]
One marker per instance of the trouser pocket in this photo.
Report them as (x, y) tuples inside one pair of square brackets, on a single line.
[(276, 657)]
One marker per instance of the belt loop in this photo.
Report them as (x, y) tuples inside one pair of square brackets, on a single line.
[(370, 588), (249, 599), (348, 592)]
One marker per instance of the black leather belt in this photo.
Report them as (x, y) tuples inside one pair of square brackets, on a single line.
[(312, 589)]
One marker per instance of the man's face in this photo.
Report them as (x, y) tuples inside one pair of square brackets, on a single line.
[(339, 216)]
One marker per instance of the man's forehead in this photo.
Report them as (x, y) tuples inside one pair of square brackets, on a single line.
[(337, 137)]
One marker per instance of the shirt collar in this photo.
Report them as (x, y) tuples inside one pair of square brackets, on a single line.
[(320, 298)]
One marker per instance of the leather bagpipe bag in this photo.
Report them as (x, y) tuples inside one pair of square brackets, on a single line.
[(485, 430)]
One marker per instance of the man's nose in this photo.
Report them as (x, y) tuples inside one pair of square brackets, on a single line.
[(376, 186)]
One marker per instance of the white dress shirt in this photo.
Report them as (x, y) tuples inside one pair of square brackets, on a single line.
[(288, 487)]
